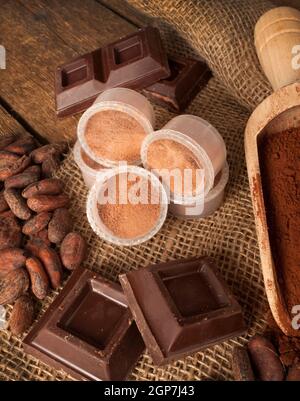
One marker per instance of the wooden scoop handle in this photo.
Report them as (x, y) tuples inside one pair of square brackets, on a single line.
[(277, 42)]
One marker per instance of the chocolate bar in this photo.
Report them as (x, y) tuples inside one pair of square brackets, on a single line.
[(181, 307), (187, 78), (135, 62), (88, 331)]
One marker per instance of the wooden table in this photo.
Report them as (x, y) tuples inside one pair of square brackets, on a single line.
[(39, 35)]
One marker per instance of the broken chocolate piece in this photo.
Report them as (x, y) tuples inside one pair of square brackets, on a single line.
[(187, 78)]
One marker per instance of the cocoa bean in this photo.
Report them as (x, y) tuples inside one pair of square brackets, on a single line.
[(10, 232), (265, 359), (22, 315), (49, 258), (73, 251), (42, 235), (294, 373), (49, 186), (41, 154), (36, 223), (3, 204), (11, 259), (6, 140), (7, 158), (60, 225), (7, 213), (22, 180), (17, 167), (23, 145), (38, 277), (17, 204), (47, 203), (13, 285), (241, 365), (50, 165)]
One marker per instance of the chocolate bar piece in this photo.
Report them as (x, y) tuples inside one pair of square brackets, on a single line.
[(88, 331), (187, 78), (181, 307), (135, 62)]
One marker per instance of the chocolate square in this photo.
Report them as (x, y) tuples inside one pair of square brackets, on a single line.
[(88, 331), (181, 307), (188, 77)]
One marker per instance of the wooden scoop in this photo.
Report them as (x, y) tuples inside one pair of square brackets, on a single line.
[(277, 41)]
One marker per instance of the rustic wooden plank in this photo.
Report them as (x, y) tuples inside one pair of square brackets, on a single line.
[(126, 10), (8, 125), (39, 35)]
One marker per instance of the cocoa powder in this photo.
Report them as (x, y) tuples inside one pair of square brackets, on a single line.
[(90, 162), (130, 220), (171, 155), (114, 135), (288, 347), (279, 155)]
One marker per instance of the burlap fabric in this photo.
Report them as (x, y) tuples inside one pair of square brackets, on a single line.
[(221, 31), (228, 236)]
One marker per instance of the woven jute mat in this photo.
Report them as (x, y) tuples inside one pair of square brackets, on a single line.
[(228, 236), (222, 32)]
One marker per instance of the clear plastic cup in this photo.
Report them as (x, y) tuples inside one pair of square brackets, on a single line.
[(212, 201), (89, 174), (131, 98), (92, 206), (119, 99), (201, 138)]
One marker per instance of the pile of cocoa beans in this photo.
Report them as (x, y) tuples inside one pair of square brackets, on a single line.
[(36, 238), (260, 360)]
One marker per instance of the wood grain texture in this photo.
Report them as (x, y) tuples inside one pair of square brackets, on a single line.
[(8, 125), (39, 35), (128, 11)]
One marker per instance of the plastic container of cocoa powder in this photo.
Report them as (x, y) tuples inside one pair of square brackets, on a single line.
[(89, 169), (198, 137), (212, 201), (123, 100), (100, 187)]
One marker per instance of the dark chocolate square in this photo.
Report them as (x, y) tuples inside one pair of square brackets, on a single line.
[(93, 317), (74, 73), (88, 331), (128, 50), (194, 292), (187, 78), (181, 307)]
